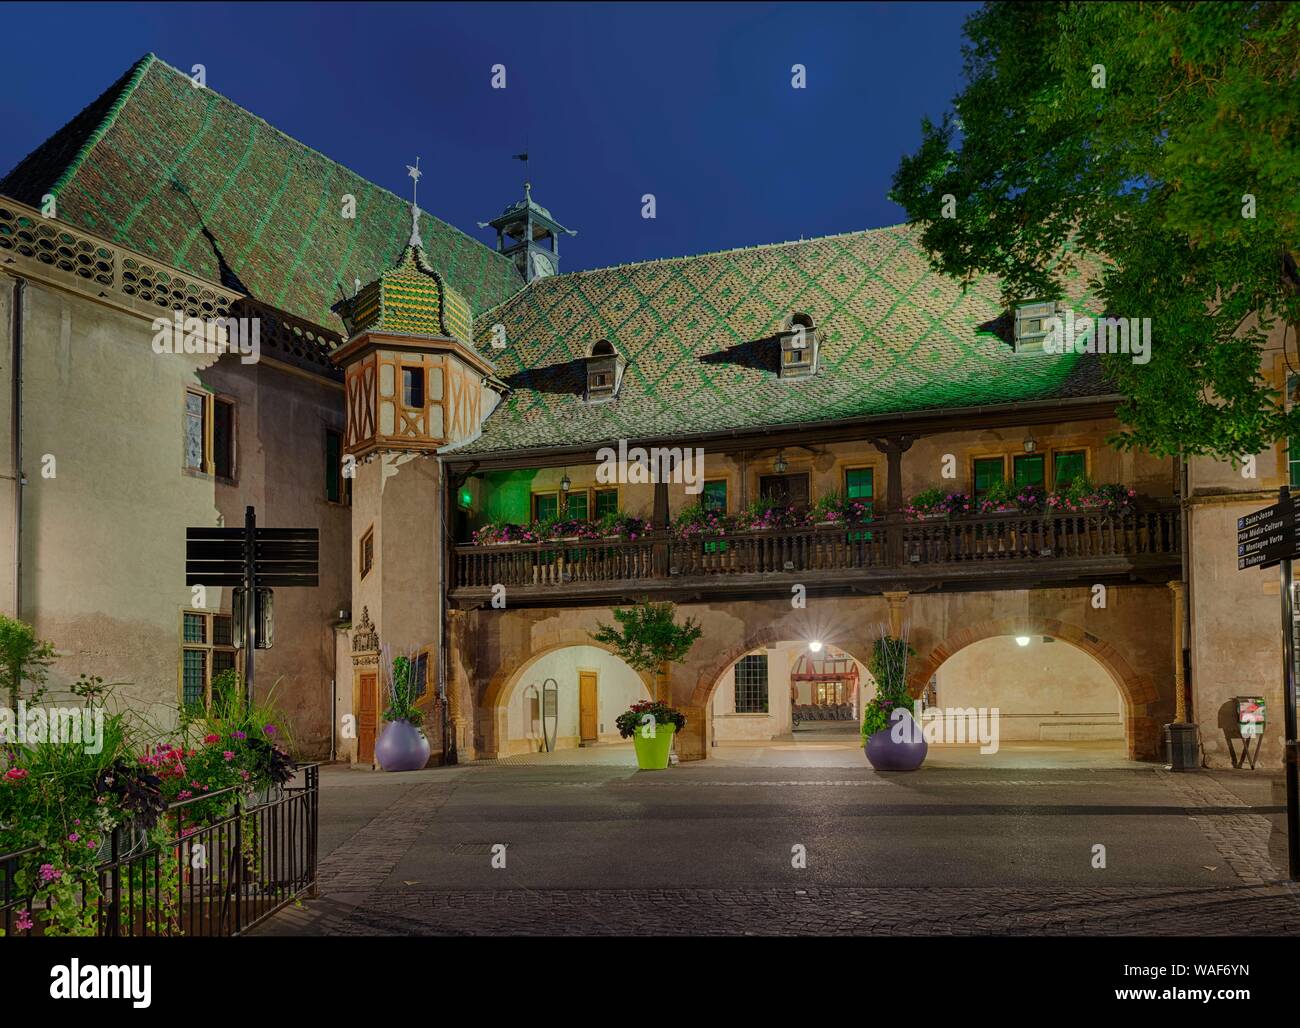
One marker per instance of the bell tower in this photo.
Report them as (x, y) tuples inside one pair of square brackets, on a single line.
[(529, 236)]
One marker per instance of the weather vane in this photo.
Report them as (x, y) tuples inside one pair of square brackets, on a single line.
[(415, 173)]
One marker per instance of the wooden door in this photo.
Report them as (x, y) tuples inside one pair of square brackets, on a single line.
[(367, 716), (588, 706)]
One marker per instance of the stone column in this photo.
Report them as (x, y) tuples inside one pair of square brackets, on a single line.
[(460, 698), (897, 607), (1180, 688)]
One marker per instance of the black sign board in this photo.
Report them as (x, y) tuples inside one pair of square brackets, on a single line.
[(281, 556), (252, 561), (1267, 536)]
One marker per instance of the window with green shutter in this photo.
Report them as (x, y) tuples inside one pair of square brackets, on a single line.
[(545, 505), (987, 473), (1029, 469), (606, 502), (575, 505), (1067, 465)]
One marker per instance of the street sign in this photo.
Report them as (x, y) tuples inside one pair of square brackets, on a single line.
[(1267, 537), (252, 561)]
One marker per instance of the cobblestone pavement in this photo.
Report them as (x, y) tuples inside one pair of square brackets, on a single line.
[(702, 851)]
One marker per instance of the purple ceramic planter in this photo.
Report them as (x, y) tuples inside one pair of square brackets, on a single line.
[(888, 754), (401, 747)]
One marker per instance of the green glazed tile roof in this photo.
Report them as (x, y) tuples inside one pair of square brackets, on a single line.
[(411, 299), (699, 334), (186, 175)]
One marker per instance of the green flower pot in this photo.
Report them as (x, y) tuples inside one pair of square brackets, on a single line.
[(652, 754)]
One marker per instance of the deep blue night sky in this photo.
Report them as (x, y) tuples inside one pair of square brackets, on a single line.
[(692, 103)]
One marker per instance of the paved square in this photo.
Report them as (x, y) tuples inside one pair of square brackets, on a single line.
[(593, 847)]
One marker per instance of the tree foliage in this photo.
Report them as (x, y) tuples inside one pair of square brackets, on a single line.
[(1197, 112), (24, 659), (647, 635)]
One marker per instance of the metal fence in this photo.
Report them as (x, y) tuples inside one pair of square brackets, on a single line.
[(217, 877)]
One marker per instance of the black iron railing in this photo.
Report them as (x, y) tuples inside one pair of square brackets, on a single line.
[(214, 877)]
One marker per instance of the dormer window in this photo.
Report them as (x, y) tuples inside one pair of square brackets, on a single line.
[(1033, 322), (604, 371), (799, 347)]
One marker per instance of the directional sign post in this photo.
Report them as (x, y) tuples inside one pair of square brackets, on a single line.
[(1265, 538), (252, 561)]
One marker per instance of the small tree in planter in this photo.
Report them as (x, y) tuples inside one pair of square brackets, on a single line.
[(889, 745), (649, 639), (401, 746)]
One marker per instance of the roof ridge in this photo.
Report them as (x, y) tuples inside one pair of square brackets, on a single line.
[(311, 149), (731, 250), (136, 73)]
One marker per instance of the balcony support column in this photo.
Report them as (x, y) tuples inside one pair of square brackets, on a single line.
[(661, 526), (893, 447)]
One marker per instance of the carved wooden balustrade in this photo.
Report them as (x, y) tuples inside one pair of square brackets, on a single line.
[(996, 550)]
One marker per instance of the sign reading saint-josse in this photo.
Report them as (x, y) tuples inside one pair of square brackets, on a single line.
[(1267, 536)]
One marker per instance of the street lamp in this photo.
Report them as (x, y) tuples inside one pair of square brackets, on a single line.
[(565, 483), (1031, 444), (780, 465)]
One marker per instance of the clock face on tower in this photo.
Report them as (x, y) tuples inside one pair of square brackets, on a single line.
[(540, 264)]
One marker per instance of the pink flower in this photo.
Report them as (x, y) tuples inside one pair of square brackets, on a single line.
[(73, 837), (24, 923), (184, 794), (211, 738), (49, 873), (16, 774), (228, 754), (269, 729)]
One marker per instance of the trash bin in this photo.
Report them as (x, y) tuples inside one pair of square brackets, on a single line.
[(1180, 747)]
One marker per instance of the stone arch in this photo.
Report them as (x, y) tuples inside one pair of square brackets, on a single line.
[(1137, 691), (709, 677), (507, 676)]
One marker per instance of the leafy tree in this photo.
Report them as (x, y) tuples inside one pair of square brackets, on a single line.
[(23, 659), (1163, 136), (649, 639)]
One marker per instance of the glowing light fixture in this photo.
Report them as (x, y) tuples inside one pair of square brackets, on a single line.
[(779, 465), (815, 646), (566, 483), (1031, 444), (1022, 640)]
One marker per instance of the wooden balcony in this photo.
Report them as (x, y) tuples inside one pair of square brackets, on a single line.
[(997, 551)]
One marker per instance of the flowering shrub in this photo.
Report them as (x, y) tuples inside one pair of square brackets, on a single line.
[(836, 510), (506, 532), (766, 512), (1083, 495), (624, 525), (697, 520), (631, 719), (937, 501), (65, 802)]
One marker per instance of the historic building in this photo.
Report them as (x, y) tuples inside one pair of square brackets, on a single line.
[(415, 385)]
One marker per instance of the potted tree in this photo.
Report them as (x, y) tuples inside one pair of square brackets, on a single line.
[(402, 745), (650, 639), (891, 738)]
